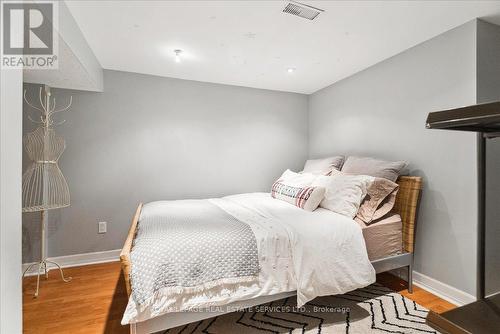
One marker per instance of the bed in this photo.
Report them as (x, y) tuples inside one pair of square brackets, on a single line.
[(276, 279)]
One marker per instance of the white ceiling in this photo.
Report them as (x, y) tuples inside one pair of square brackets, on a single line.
[(252, 43)]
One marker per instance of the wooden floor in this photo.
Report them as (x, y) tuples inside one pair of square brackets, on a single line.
[(94, 301)]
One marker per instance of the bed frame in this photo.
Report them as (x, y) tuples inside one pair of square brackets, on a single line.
[(407, 201)]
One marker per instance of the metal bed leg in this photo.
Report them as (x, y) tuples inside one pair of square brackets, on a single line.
[(410, 278)]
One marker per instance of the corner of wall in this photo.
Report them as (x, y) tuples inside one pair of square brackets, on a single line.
[(308, 133), (488, 90), (78, 68)]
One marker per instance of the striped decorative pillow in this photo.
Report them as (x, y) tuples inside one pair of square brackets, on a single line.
[(307, 198)]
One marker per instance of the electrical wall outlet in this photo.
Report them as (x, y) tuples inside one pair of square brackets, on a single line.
[(102, 227)]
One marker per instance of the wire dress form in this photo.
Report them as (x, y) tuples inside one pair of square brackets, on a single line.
[(44, 186)]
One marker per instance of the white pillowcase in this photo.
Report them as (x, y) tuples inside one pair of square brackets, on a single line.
[(298, 179), (344, 193), (296, 189)]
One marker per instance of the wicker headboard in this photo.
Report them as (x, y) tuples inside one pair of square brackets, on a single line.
[(406, 206)]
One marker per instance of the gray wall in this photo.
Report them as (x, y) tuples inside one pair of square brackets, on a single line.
[(381, 112), (488, 89), (149, 138)]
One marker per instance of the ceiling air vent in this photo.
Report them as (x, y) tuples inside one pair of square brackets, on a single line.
[(301, 10)]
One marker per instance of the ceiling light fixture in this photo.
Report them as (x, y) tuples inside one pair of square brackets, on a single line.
[(178, 55), (291, 69)]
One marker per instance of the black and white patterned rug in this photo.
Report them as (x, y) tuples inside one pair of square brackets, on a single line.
[(374, 309)]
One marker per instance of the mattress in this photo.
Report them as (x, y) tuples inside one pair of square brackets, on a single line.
[(383, 238)]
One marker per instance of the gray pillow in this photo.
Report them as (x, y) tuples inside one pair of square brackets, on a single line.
[(378, 168), (323, 166)]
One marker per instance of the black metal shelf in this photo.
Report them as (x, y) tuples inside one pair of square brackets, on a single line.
[(478, 118), (482, 316)]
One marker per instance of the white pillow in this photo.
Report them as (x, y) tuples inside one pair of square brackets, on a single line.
[(344, 192), (298, 179), (296, 189)]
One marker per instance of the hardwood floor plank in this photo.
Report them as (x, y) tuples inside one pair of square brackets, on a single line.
[(94, 301), (419, 295)]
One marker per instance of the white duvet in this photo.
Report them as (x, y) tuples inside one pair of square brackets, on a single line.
[(315, 253)]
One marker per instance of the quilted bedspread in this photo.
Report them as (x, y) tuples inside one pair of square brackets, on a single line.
[(189, 246)]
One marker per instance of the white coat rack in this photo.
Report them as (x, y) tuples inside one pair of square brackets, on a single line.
[(44, 185)]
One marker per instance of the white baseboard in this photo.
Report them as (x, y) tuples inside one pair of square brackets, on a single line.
[(77, 260), (438, 288), (442, 290)]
